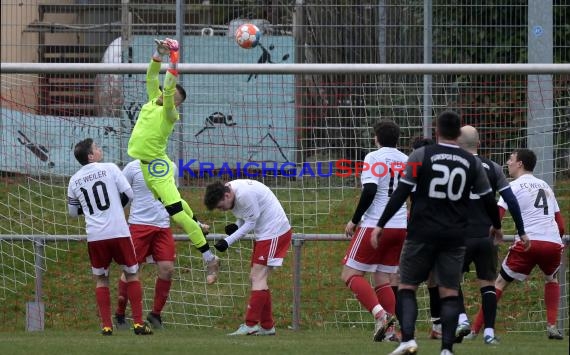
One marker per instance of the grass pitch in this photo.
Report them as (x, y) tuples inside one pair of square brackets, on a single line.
[(215, 341)]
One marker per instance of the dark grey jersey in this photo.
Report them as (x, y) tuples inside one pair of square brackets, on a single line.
[(479, 221), (444, 175)]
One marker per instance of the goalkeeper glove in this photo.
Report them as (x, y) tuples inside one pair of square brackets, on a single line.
[(173, 47), (171, 44), (231, 228), (221, 245), (160, 50)]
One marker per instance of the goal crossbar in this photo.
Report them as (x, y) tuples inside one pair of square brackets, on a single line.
[(140, 68)]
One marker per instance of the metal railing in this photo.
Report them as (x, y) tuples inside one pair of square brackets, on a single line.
[(35, 313)]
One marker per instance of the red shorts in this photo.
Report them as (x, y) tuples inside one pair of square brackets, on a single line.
[(361, 256), (153, 243), (271, 252), (102, 252), (519, 263)]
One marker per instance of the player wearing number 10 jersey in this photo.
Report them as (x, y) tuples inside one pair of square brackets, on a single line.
[(444, 175), (99, 191)]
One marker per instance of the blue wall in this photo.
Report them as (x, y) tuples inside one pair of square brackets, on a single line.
[(226, 118)]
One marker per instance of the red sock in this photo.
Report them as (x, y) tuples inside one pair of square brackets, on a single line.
[(257, 300), (266, 319), (161, 291), (386, 297), (122, 299), (362, 291), (103, 297), (551, 299), (134, 292), (479, 320)]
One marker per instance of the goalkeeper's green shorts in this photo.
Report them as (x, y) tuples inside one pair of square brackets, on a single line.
[(159, 177)]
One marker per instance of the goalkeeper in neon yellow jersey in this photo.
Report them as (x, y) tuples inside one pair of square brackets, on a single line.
[(149, 141)]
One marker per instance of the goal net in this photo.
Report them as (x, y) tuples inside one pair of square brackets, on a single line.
[(282, 120)]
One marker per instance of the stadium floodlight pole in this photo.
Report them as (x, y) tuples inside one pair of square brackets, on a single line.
[(198, 68)]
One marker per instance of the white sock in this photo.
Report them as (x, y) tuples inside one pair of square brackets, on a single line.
[(207, 256), (463, 318), (489, 331), (377, 310)]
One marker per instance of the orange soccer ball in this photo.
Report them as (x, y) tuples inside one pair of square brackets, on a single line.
[(247, 35)]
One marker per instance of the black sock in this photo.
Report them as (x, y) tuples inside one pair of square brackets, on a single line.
[(434, 303), (395, 289), (461, 301), (449, 317), (489, 301), (407, 312)]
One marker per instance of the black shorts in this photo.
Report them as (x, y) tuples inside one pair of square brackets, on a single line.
[(484, 254), (419, 258)]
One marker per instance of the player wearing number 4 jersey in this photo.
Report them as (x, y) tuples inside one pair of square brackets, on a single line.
[(149, 141), (443, 175), (544, 227), (99, 191), (381, 259)]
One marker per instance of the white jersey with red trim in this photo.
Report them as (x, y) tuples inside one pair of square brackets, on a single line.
[(96, 188), (538, 205), (145, 209), (255, 203), (385, 166)]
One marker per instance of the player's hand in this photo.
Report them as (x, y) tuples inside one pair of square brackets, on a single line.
[(231, 228), (349, 229), (525, 242), (496, 234), (161, 47), (221, 245), (173, 48), (375, 237), (205, 228), (171, 44)]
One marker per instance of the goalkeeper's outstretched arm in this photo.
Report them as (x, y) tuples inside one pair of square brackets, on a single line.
[(170, 81), (152, 72)]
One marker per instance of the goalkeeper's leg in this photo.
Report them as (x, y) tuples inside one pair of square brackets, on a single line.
[(165, 189), (190, 227)]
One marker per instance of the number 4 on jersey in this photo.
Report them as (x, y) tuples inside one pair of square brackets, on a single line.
[(540, 201)]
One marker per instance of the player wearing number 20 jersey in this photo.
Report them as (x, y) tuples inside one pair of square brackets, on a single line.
[(443, 175), (443, 183)]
